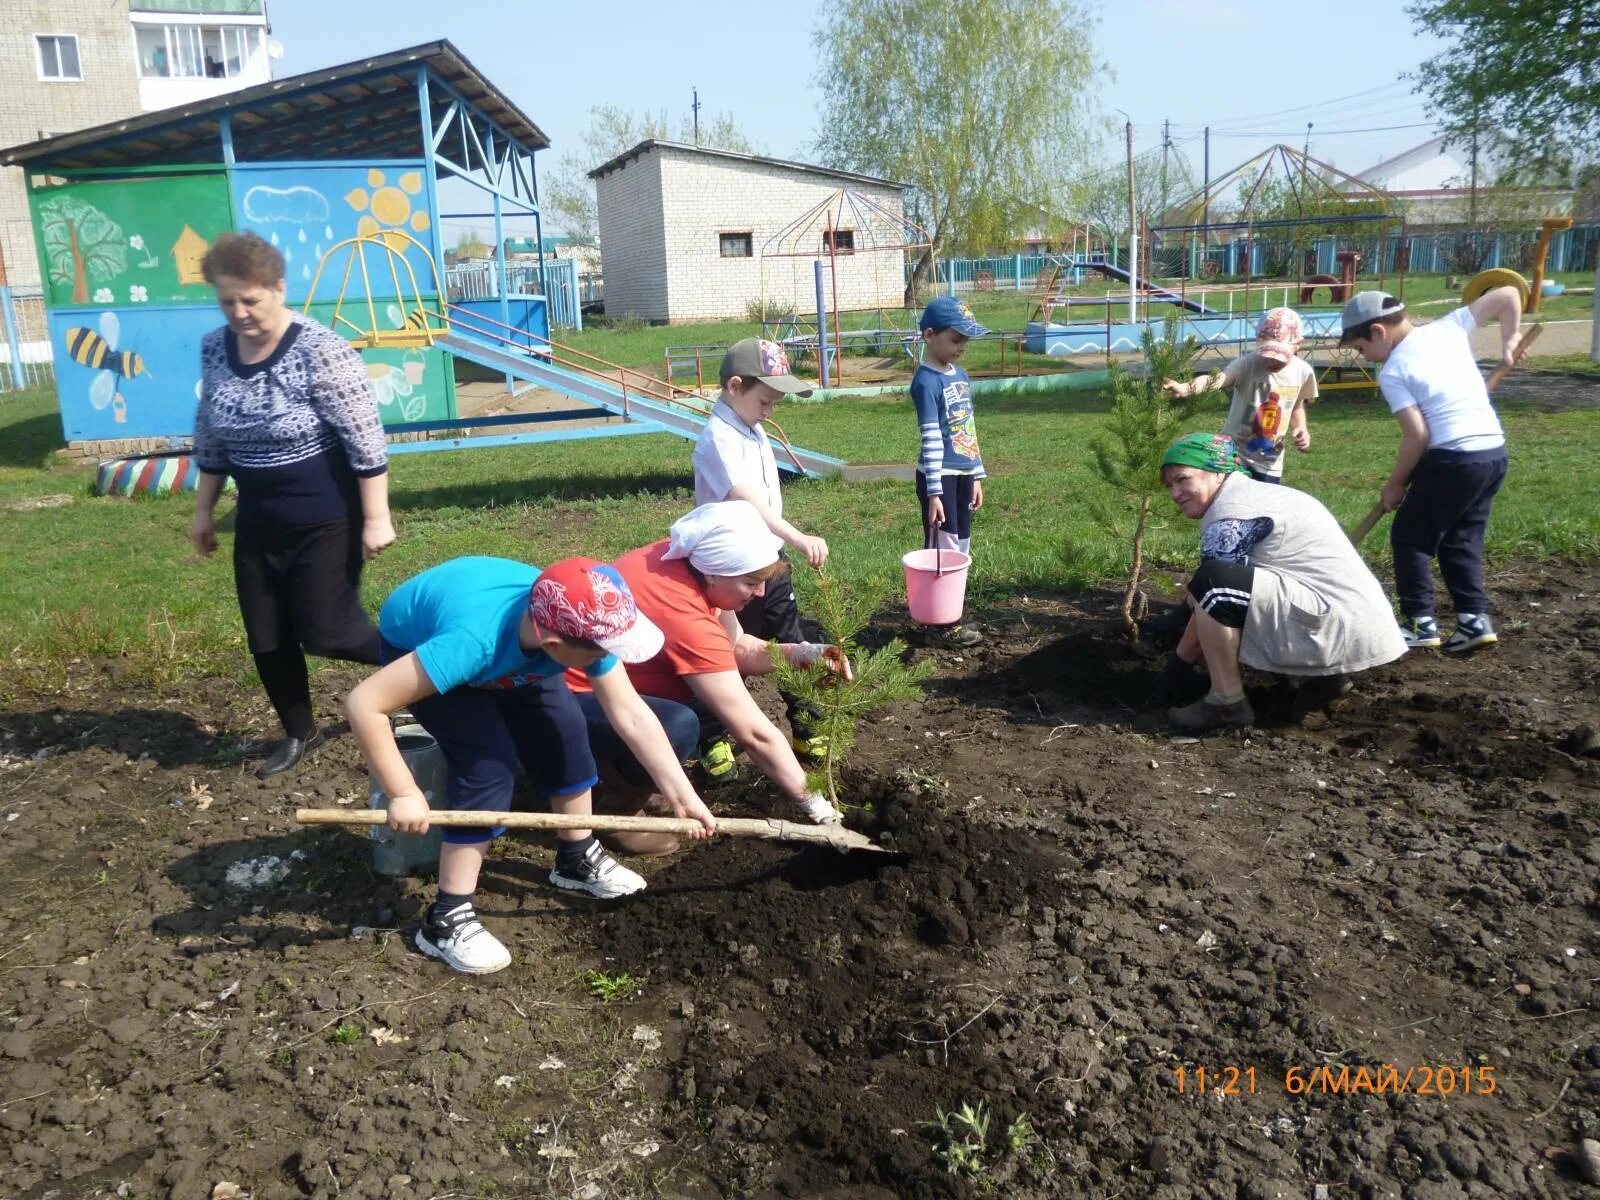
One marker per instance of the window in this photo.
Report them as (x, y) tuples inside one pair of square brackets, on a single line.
[(839, 241), (735, 245), (196, 51), (58, 56)]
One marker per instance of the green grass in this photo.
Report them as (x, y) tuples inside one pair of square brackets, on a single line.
[(116, 579)]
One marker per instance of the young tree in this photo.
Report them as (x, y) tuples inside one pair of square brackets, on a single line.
[(978, 106), (880, 676), (471, 245), (1528, 67), (568, 192), (1144, 421)]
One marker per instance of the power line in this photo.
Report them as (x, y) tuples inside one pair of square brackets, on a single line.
[(1320, 133), (1320, 104)]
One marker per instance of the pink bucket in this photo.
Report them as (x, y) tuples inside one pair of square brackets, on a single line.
[(936, 585)]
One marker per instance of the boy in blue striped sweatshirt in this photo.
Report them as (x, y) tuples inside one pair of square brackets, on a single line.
[(949, 469)]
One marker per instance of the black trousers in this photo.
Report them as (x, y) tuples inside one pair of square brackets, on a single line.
[(1222, 590), (957, 499), (775, 616), (299, 592), (1445, 515)]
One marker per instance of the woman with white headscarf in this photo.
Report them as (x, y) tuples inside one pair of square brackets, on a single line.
[(693, 584)]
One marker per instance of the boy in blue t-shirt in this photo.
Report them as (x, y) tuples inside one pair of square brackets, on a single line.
[(475, 648), (949, 468)]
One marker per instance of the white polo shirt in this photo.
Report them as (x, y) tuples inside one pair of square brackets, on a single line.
[(1433, 371), (729, 453)]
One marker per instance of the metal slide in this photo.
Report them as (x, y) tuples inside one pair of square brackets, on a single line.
[(509, 359), (1105, 267)]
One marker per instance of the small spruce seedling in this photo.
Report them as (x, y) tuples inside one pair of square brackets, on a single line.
[(880, 676)]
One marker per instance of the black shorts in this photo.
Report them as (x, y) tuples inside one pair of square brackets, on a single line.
[(957, 500), (301, 588), (774, 615), (1221, 590)]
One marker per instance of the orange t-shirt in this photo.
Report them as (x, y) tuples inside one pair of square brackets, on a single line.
[(669, 594)]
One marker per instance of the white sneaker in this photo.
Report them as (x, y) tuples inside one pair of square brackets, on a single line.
[(598, 875), (816, 809), (461, 941)]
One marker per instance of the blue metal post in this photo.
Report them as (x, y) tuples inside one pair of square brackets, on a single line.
[(225, 126), (430, 175), (8, 315), (822, 323), (1017, 266)]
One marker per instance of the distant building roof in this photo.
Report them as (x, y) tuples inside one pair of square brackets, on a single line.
[(646, 147)]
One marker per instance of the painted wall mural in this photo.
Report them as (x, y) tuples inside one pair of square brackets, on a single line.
[(137, 373), (115, 243), (306, 210)]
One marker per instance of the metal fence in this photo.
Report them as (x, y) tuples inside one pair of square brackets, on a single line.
[(1425, 253), (560, 286), (25, 358)]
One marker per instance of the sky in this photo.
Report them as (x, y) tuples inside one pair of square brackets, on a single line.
[(1255, 71)]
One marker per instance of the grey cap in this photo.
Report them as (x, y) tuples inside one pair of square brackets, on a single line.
[(757, 358), (1364, 307)]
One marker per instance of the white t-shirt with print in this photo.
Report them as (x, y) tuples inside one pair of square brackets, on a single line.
[(1433, 371), (1265, 395)]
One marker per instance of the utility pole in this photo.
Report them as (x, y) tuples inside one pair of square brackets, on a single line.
[(696, 107), (1205, 197), (1166, 145), (1133, 239), (1307, 151)]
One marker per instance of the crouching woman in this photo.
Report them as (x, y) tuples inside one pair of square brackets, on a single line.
[(1280, 589)]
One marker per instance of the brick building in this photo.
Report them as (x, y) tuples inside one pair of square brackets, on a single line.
[(71, 64), (683, 230)]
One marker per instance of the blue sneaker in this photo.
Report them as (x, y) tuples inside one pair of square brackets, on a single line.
[(1420, 633), (1473, 632)]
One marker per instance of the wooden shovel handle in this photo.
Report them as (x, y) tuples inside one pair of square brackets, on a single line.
[(1359, 533), (771, 829), (1529, 337)]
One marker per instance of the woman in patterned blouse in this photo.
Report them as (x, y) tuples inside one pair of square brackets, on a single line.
[(285, 410)]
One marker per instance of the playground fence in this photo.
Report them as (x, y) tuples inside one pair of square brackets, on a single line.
[(25, 357), (560, 287), (1428, 253)]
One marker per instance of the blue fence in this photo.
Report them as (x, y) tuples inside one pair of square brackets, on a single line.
[(25, 358), (560, 286), (1427, 253)]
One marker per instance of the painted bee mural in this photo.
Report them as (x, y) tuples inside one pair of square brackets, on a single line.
[(98, 352)]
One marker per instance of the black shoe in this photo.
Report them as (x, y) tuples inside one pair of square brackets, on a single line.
[(1319, 693), (287, 754)]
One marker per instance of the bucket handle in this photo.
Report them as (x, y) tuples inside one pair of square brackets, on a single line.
[(933, 544)]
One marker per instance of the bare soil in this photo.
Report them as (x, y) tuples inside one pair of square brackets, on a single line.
[(1080, 905)]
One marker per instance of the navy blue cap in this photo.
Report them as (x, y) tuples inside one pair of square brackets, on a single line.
[(946, 312)]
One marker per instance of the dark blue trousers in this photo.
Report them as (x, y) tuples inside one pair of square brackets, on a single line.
[(1444, 516), (680, 723)]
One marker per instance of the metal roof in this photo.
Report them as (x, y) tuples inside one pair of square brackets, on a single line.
[(361, 109), (645, 147)]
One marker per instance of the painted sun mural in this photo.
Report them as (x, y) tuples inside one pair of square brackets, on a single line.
[(388, 206)]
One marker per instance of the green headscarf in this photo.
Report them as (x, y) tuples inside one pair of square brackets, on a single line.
[(1205, 451)]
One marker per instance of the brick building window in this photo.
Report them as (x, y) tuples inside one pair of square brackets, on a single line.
[(58, 56), (840, 241), (735, 245)]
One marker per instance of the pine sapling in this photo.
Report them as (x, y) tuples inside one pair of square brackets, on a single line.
[(1144, 421), (880, 677)]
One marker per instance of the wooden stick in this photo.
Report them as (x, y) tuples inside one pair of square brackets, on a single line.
[(771, 829), (1530, 335)]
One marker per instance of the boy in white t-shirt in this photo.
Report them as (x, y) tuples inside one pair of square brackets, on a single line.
[(1271, 389), (1452, 457), (733, 460)]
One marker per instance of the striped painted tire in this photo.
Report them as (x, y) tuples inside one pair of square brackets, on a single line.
[(152, 475), (1494, 277)]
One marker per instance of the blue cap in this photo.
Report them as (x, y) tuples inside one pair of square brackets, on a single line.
[(946, 312)]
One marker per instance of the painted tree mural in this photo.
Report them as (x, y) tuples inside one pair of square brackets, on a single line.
[(81, 244)]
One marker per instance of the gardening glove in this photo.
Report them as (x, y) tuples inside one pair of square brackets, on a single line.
[(818, 811), (1169, 688), (803, 654)]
